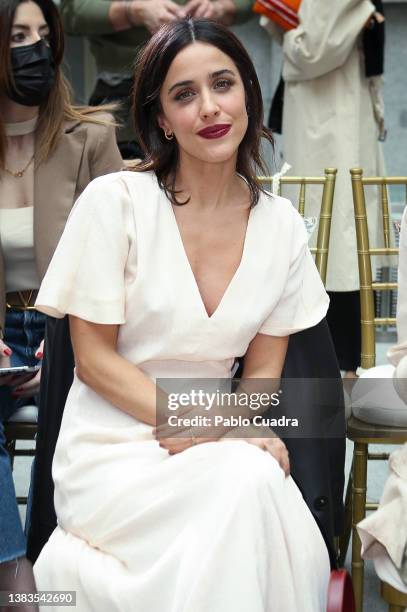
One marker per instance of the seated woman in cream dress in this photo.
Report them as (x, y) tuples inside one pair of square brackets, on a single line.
[(172, 271)]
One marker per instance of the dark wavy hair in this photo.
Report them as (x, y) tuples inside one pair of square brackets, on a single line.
[(152, 65)]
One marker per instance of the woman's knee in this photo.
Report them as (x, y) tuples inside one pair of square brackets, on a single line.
[(251, 466)]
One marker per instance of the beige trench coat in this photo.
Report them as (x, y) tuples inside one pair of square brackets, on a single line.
[(329, 119), (84, 151)]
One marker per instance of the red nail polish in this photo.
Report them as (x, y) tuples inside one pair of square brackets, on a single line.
[(8, 352), (39, 355)]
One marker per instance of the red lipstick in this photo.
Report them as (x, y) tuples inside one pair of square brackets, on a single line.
[(215, 131)]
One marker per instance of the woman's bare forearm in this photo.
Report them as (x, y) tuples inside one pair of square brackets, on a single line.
[(123, 384), (103, 369), (265, 357)]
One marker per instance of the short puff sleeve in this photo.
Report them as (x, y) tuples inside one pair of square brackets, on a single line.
[(86, 276), (304, 301)]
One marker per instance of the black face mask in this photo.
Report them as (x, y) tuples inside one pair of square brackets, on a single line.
[(34, 73)]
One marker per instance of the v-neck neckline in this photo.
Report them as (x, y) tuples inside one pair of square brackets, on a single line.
[(187, 264)]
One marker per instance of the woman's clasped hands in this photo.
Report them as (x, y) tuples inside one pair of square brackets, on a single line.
[(190, 426)]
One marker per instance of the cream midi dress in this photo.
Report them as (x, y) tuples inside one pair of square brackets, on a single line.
[(218, 527)]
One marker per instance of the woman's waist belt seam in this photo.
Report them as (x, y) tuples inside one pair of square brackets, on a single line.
[(21, 300)]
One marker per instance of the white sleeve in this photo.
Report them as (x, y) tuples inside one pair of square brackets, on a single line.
[(323, 41), (304, 301), (86, 276)]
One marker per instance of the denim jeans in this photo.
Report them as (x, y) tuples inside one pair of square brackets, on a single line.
[(24, 331)]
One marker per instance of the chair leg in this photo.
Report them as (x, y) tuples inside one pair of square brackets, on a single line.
[(396, 599), (358, 513), (347, 527), (11, 447)]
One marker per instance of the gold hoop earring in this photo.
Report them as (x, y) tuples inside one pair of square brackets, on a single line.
[(169, 135)]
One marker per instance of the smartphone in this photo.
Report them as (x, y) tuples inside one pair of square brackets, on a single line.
[(19, 370)]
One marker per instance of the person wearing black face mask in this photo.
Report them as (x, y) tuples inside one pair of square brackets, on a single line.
[(33, 73), (49, 152)]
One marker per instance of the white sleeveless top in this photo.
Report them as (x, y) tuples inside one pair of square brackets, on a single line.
[(16, 224), (17, 241)]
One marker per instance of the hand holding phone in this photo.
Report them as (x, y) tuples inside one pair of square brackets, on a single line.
[(12, 376)]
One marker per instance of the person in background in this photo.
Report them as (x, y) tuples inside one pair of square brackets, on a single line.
[(49, 151), (398, 353), (384, 533), (117, 28), (333, 116)]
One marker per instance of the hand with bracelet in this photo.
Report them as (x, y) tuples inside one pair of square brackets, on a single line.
[(263, 438), (179, 437)]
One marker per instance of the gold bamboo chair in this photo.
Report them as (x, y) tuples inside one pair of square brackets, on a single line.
[(324, 227), (321, 251), (361, 433)]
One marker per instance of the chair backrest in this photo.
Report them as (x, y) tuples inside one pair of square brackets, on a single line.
[(369, 321), (324, 227)]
